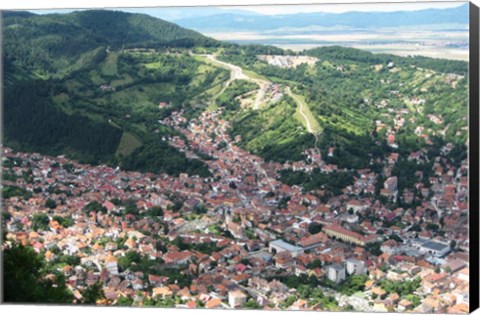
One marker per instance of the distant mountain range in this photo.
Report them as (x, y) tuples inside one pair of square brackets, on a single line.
[(173, 14), (254, 22)]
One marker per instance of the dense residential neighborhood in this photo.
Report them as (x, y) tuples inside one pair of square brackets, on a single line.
[(240, 238)]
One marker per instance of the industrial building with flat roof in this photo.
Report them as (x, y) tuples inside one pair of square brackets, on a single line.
[(282, 246), (431, 247)]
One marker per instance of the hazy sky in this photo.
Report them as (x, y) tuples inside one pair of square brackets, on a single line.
[(338, 8), (177, 12)]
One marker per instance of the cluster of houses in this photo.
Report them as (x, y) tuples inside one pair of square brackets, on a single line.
[(259, 227), (393, 119)]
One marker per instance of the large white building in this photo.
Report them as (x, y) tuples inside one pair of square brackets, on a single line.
[(354, 266), (236, 298), (336, 273)]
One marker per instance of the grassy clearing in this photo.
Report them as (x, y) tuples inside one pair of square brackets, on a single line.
[(201, 74), (109, 67), (213, 91), (126, 79), (96, 78), (418, 79), (211, 62), (214, 229), (300, 118), (75, 87), (311, 70), (340, 122), (128, 144), (150, 93), (154, 65), (204, 69), (255, 75), (328, 64), (61, 98), (212, 107), (316, 128)]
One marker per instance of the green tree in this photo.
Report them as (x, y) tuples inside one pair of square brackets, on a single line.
[(251, 304), (200, 209), (64, 221), (155, 212), (93, 293), (288, 302), (125, 301), (314, 264), (95, 206), (130, 258), (40, 222), (50, 204), (26, 281), (314, 228), (374, 248), (415, 299)]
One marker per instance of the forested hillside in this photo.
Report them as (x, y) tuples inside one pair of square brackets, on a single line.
[(86, 84), (96, 85), (56, 44), (359, 98)]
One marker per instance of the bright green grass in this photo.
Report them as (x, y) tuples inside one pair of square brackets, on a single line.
[(204, 69), (154, 65), (126, 79), (316, 128), (359, 294), (146, 94), (255, 75), (327, 64), (210, 62), (201, 74), (128, 144), (215, 90), (109, 67), (342, 123)]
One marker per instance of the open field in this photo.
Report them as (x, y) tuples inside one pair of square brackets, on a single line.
[(128, 143), (436, 43), (304, 115), (110, 68)]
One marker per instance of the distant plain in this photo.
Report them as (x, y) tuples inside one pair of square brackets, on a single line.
[(448, 41)]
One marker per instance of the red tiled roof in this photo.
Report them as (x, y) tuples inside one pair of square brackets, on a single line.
[(341, 230), (313, 239), (177, 256)]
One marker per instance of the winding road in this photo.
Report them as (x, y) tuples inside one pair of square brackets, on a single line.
[(303, 110), (237, 73)]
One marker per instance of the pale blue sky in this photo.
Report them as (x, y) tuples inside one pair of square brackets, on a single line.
[(339, 8), (173, 13)]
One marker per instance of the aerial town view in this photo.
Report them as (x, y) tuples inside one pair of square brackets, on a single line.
[(150, 160)]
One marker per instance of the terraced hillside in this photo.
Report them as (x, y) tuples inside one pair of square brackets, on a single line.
[(357, 100), (75, 86)]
